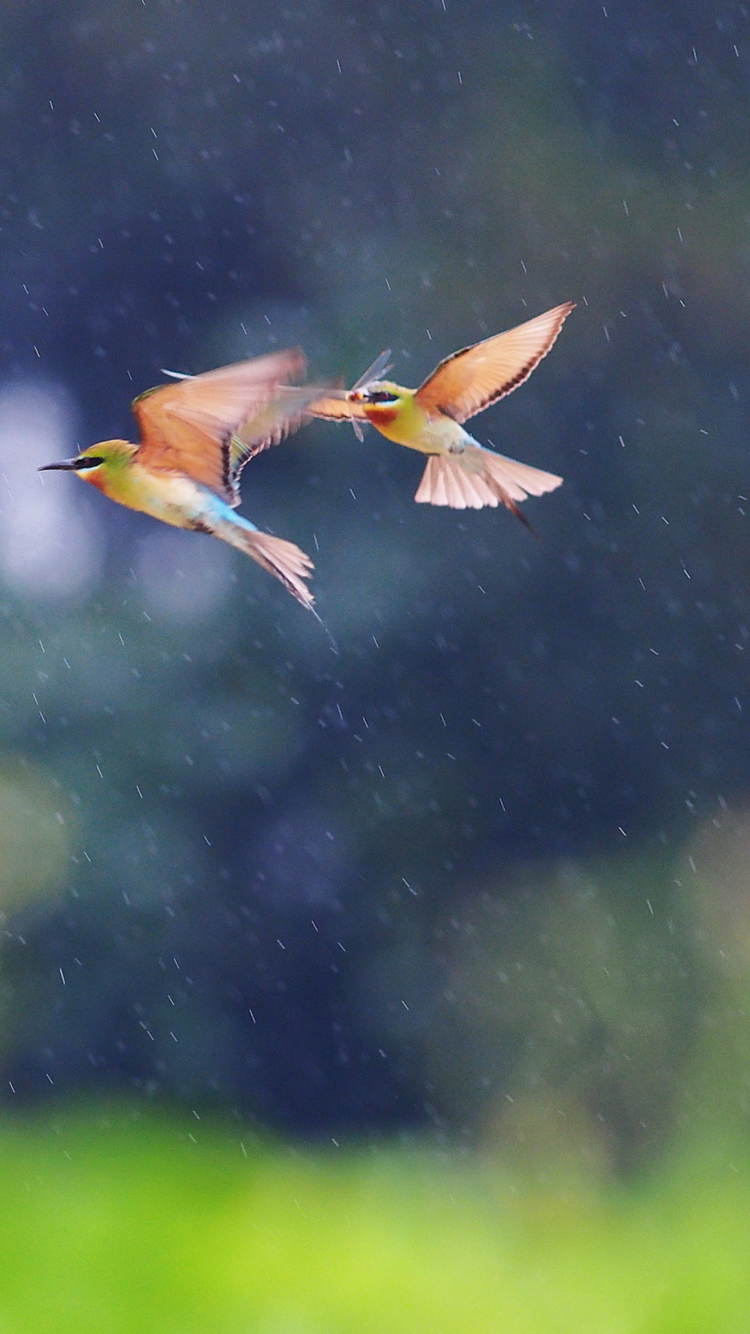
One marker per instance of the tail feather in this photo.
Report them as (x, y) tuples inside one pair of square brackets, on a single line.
[(476, 478), (287, 562)]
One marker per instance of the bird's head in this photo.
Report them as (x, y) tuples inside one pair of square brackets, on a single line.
[(98, 462), (382, 402), (378, 394)]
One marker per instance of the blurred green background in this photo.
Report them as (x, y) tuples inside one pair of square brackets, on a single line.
[(405, 987)]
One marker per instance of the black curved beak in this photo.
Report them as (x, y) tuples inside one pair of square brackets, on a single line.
[(67, 465)]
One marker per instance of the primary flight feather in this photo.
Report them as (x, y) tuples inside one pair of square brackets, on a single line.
[(195, 437)]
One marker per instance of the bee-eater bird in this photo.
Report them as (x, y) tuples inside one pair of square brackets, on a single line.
[(460, 472), (195, 438)]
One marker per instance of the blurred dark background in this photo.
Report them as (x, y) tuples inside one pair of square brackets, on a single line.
[(450, 876)]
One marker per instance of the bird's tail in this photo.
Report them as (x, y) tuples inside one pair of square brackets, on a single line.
[(281, 558), (476, 477)]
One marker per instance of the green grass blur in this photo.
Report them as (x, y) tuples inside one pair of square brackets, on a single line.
[(130, 1222)]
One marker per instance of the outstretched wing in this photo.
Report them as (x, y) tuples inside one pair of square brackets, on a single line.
[(471, 379), (337, 409), (188, 426), (285, 413)]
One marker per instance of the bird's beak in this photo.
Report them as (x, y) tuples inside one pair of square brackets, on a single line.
[(67, 465)]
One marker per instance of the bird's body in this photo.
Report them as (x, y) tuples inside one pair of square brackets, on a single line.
[(409, 424), (169, 496), (459, 472), (196, 436)]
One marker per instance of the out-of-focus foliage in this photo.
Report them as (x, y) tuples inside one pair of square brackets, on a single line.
[(118, 1222)]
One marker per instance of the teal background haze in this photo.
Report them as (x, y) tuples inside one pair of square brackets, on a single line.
[(405, 986)]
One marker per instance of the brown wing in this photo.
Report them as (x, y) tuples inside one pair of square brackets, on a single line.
[(285, 413), (337, 409), (187, 427), (471, 379)]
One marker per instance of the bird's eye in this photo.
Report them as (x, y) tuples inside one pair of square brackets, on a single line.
[(381, 396), (86, 461)]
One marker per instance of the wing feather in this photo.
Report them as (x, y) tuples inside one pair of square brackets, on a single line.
[(188, 426), (473, 378), (284, 414), (337, 409)]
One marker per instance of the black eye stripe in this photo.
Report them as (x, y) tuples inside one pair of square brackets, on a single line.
[(381, 396), (88, 461)]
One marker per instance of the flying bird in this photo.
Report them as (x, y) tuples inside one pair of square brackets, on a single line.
[(196, 435), (460, 472)]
